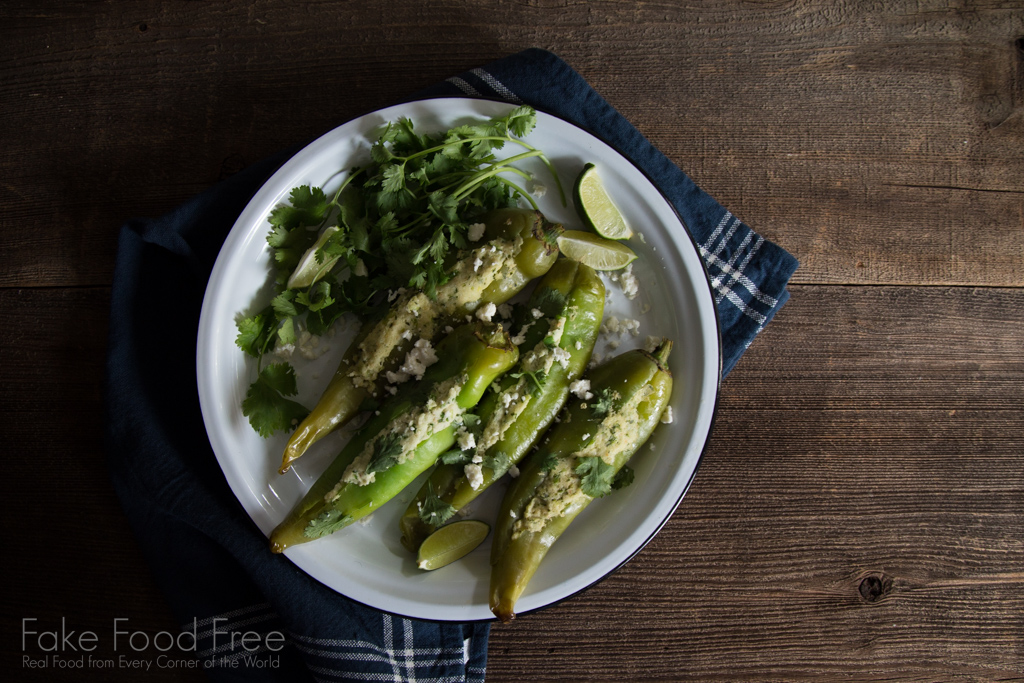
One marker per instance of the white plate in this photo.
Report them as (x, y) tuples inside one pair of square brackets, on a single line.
[(366, 562)]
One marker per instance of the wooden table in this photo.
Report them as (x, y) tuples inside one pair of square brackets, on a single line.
[(859, 514)]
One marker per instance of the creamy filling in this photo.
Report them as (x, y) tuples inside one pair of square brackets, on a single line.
[(411, 429), (415, 315), (561, 489)]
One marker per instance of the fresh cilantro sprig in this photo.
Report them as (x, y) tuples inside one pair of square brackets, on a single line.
[(265, 404), (391, 223)]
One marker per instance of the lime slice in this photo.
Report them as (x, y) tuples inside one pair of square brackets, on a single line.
[(308, 270), (596, 208), (596, 252), (451, 542)]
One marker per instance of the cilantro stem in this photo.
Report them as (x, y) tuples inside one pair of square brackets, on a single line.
[(508, 138), (494, 170)]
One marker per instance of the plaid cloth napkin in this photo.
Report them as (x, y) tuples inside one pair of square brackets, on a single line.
[(208, 557)]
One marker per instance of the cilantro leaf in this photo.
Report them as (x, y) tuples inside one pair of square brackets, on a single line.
[(433, 510), (520, 121), (255, 333), (498, 461), (394, 178), (265, 404), (286, 332), (327, 523), (595, 476), (283, 304), (623, 479), (386, 451), (546, 461), (604, 402)]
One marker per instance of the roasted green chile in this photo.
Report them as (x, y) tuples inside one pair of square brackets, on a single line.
[(403, 438), (518, 245), (576, 463), (570, 299)]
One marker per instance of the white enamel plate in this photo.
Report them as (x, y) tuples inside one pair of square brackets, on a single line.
[(366, 562)]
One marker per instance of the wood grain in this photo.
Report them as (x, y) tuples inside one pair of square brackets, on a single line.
[(859, 514), (885, 151)]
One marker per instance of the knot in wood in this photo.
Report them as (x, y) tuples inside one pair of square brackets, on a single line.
[(873, 588)]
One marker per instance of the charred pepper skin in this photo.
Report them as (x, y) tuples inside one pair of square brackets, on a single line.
[(570, 290), (355, 380), (519, 546), (479, 353)]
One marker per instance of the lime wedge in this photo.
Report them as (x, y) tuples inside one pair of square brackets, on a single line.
[(596, 208), (596, 252), (451, 542), (309, 271)]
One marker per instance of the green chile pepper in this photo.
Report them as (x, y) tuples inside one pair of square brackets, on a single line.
[(403, 438), (524, 249), (578, 462), (572, 293)]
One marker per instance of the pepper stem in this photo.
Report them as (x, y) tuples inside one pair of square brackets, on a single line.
[(661, 353)]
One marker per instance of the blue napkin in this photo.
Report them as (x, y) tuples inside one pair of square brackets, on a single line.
[(208, 557)]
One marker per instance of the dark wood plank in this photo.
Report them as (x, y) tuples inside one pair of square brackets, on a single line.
[(882, 135)]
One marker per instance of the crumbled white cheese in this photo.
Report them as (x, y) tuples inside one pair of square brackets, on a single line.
[(513, 471), (474, 475), (536, 313), (465, 439), (630, 285), (309, 345), (487, 311), (652, 343), (612, 325), (627, 281), (581, 388), (420, 357), (505, 310), (521, 337), (475, 232), (666, 417), (284, 351)]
